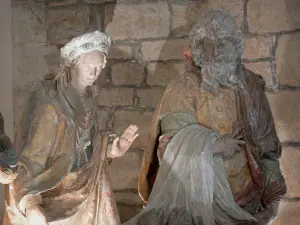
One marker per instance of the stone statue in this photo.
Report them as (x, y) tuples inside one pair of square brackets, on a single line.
[(8, 159), (212, 155), (62, 176)]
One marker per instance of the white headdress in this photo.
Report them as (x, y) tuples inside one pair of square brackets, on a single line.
[(89, 42)]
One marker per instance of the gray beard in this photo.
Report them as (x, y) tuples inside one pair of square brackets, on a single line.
[(219, 74)]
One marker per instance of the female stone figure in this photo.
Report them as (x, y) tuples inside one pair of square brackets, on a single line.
[(62, 176), (212, 152)]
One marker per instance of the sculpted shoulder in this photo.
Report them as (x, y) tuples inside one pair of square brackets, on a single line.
[(252, 77), (188, 80), (39, 103)]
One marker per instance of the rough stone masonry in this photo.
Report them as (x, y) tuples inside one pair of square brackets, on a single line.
[(147, 53)]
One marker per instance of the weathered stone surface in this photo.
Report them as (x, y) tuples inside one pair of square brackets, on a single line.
[(290, 168), (258, 47), (66, 23), (97, 1), (273, 15), (124, 171), (262, 68), (181, 67), (150, 97), (118, 1), (126, 21), (288, 58), (234, 7), (142, 119), (285, 107), (28, 23), (31, 63), (161, 73), (184, 16), (128, 197), (55, 3), (120, 51), (127, 73), (288, 214), (102, 119), (127, 212), (20, 101), (164, 50), (115, 97)]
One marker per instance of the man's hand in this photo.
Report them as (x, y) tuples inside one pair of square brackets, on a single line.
[(35, 216), (122, 144), (227, 145)]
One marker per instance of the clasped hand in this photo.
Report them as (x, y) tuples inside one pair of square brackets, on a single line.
[(121, 144), (227, 144)]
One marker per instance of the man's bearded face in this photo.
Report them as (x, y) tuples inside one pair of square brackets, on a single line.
[(217, 58), (217, 46)]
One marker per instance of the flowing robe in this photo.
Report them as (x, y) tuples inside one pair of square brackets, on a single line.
[(253, 173), (46, 146)]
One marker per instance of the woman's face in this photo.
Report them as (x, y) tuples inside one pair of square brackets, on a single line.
[(89, 67)]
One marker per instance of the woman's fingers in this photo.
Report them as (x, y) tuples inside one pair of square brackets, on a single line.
[(134, 137), (130, 131)]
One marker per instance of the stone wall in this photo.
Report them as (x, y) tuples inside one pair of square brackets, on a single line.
[(149, 38)]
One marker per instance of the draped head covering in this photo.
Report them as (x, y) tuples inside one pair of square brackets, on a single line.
[(78, 46), (89, 42)]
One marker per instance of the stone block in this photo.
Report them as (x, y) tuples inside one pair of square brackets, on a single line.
[(290, 167), (31, 63), (258, 47), (127, 73), (181, 67), (20, 101), (285, 108), (171, 49), (162, 73), (60, 3), (273, 15), (102, 119), (263, 69), (66, 23), (128, 197), (122, 119), (288, 214), (120, 51), (115, 97), (28, 23), (127, 212), (288, 58), (184, 16), (124, 171), (97, 1), (234, 7), (150, 97), (129, 21)]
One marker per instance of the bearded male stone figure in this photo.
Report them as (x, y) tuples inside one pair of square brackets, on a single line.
[(212, 153)]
